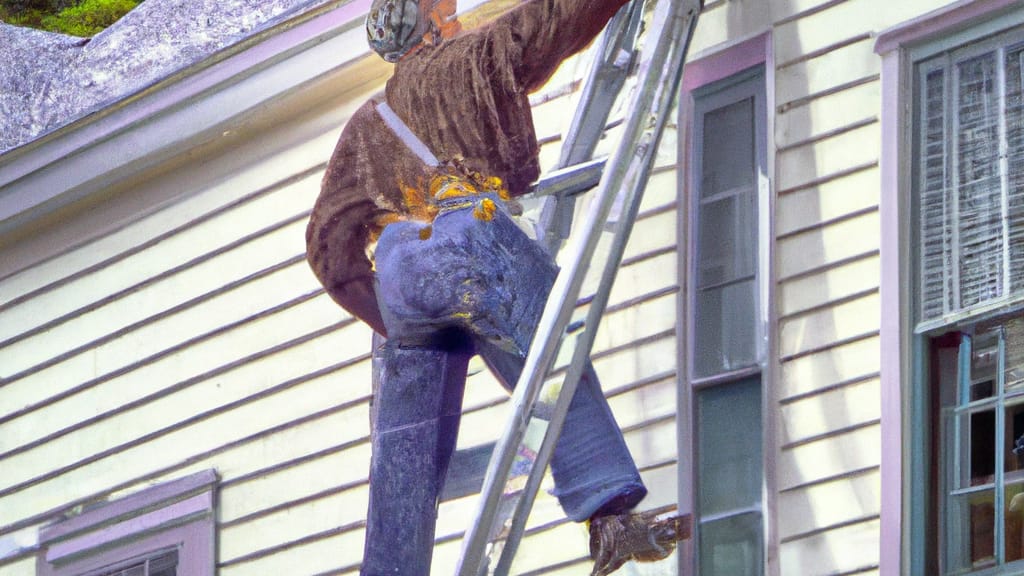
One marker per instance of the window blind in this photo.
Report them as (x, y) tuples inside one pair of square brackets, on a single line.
[(970, 181)]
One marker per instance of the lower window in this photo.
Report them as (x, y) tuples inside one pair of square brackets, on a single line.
[(978, 383), (164, 530)]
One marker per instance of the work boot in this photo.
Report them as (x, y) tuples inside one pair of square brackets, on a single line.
[(618, 538)]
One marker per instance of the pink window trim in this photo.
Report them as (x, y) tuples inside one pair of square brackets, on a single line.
[(176, 513), (895, 329), (956, 15), (725, 63)]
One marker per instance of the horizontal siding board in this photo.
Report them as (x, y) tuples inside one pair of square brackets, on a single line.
[(281, 378), (641, 278), (827, 368), (248, 424), (833, 200), (636, 362), (650, 402), (190, 251), (828, 457), (213, 356), (293, 523), (828, 114), (624, 326), (855, 404), (834, 243), (121, 334), (23, 567), (812, 331), (836, 551), (839, 67), (206, 278), (824, 28), (319, 555), (798, 166), (829, 504), (535, 553), (730, 21), (249, 180), (829, 285)]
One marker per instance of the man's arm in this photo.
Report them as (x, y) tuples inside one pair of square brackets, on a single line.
[(540, 34)]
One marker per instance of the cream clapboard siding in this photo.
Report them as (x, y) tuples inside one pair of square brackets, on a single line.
[(195, 337), (826, 146)]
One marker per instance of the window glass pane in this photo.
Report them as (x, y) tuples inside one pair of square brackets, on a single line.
[(1013, 333), (725, 335), (984, 359), (971, 518), (1013, 522), (979, 184), (936, 251), (725, 247), (977, 448), (728, 153), (1015, 163), (731, 546), (729, 438)]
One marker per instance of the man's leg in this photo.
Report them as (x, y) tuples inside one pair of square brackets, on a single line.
[(417, 408), (489, 278)]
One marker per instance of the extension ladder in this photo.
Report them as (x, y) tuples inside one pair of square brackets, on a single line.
[(566, 329)]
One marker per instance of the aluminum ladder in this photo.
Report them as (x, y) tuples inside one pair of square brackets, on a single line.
[(566, 331)]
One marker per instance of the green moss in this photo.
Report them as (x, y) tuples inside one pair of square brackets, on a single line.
[(87, 18)]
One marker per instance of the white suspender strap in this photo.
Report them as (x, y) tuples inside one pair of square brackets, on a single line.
[(406, 135)]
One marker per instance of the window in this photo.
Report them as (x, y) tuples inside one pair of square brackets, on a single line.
[(726, 330), (979, 381), (165, 530), (968, 197), (970, 178)]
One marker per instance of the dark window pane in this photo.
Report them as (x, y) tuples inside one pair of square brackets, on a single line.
[(731, 546), (725, 336), (728, 148), (978, 434), (972, 525), (729, 436)]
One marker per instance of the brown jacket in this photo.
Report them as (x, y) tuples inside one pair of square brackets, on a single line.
[(466, 97)]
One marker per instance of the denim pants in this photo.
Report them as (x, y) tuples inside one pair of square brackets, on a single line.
[(466, 285)]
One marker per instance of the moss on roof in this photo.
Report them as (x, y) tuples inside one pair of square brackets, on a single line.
[(49, 80)]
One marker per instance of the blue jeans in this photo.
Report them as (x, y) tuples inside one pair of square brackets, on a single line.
[(467, 286)]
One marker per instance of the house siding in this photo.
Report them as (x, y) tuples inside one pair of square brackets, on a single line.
[(192, 336)]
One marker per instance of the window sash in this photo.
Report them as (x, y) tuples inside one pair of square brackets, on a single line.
[(988, 352), (726, 329), (970, 232)]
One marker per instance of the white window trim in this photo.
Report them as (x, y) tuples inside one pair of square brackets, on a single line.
[(902, 546)]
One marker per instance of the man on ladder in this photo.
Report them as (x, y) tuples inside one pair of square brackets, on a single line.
[(412, 234)]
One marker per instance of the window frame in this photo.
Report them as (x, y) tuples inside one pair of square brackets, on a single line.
[(713, 71), (906, 437), (174, 515)]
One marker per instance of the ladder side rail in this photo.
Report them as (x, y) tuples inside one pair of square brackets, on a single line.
[(615, 57), (569, 282), (680, 30)]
